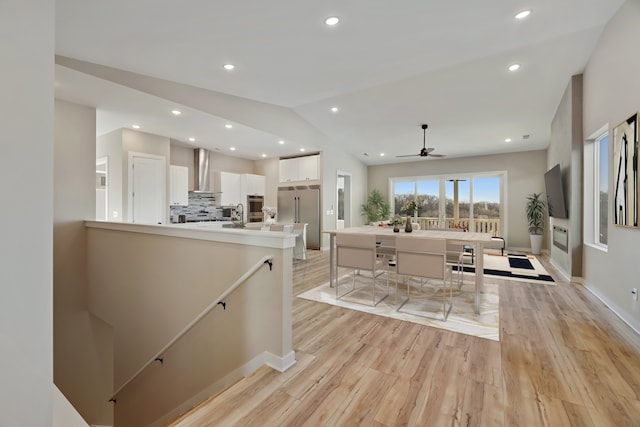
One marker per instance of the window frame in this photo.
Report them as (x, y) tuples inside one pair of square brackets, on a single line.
[(591, 215), (443, 178)]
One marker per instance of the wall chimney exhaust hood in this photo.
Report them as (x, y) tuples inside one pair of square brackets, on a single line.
[(201, 165)]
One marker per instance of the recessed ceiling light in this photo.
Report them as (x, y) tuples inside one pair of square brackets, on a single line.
[(334, 109), (229, 67), (332, 20), (264, 155), (302, 149), (281, 142), (381, 154), (507, 140), (135, 126), (232, 148), (523, 14), (514, 67), (192, 139), (228, 126), (176, 112)]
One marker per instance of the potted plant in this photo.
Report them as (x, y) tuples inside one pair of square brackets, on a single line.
[(536, 208), (376, 208)]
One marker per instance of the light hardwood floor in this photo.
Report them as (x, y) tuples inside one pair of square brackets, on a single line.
[(563, 359)]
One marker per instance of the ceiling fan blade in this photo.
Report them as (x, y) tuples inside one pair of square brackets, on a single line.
[(429, 150), (409, 155), (437, 155)]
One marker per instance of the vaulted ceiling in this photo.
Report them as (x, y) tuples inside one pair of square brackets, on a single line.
[(388, 67)]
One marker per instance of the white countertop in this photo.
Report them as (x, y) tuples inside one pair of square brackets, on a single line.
[(212, 231)]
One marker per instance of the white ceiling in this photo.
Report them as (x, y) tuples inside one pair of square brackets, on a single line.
[(387, 66)]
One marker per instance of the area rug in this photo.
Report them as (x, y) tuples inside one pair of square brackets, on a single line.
[(462, 318), (522, 268)]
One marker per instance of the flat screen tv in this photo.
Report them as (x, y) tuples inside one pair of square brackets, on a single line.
[(555, 194)]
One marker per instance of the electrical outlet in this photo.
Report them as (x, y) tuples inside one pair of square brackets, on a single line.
[(634, 294)]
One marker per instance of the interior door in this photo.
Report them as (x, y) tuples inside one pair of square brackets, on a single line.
[(147, 197)]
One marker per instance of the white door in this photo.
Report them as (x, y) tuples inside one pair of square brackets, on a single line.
[(147, 190)]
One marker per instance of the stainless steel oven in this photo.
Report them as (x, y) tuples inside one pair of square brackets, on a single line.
[(254, 208)]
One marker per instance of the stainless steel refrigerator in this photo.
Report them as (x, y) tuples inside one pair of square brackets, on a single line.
[(301, 204)]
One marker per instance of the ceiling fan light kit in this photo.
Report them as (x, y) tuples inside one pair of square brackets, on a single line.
[(424, 152)]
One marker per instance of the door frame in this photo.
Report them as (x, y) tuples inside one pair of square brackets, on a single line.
[(347, 200), (131, 155), (104, 160)]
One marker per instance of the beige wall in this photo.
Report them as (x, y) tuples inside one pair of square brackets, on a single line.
[(611, 95), (150, 287), (26, 172), (83, 348), (525, 175), (566, 149), (270, 170)]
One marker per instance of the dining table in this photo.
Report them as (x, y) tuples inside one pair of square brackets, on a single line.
[(386, 237)]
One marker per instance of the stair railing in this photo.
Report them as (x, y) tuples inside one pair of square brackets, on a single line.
[(220, 300)]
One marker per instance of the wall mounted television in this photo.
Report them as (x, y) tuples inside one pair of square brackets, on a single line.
[(555, 193)]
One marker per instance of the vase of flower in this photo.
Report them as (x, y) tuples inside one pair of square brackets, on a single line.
[(407, 225), (395, 221), (269, 215)]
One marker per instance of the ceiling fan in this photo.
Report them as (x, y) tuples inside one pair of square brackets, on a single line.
[(425, 152)]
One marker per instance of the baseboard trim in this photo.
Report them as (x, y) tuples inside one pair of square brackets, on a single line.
[(559, 269), (613, 307), (278, 363)]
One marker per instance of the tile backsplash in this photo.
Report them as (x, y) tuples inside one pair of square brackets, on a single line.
[(202, 207)]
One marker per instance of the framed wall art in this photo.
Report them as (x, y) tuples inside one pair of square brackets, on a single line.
[(625, 173)]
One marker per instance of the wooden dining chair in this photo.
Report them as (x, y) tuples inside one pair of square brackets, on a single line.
[(358, 252), (425, 258)]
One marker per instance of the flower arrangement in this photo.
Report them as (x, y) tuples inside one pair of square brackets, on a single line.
[(395, 220), (269, 211), (410, 206)]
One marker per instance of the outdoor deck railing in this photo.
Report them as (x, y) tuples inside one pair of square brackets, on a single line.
[(479, 225)]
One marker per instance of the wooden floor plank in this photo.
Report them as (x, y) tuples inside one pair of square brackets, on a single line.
[(563, 359)]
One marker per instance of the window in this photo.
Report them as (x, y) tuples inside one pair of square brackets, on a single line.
[(596, 191), (470, 201), (602, 184)]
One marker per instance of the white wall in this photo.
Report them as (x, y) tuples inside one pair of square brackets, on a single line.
[(110, 146), (141, 142), (612, 94), (525, 175), (83, 344), (335, 160), (26, 172)]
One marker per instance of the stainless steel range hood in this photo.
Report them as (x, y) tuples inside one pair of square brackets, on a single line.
[(201, 180)]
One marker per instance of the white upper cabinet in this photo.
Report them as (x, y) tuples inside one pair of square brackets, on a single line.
[(253, 185), (308, 168), (230, 187), (179, 178), (305, 168)]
